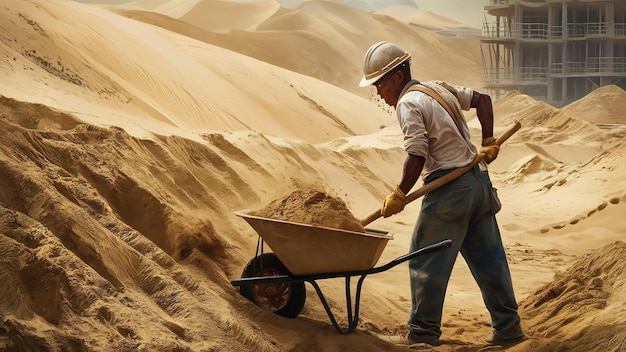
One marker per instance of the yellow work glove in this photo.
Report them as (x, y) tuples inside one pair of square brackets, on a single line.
[(490, 148), (394, 203)]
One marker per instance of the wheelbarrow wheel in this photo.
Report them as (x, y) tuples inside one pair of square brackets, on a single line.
[(285, 299)]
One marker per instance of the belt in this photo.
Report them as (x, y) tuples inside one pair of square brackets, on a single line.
[(439, 173)]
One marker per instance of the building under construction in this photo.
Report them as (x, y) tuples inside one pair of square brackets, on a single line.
[(555, 51)]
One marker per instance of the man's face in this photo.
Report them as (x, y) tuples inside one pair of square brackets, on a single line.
[(387, 87)]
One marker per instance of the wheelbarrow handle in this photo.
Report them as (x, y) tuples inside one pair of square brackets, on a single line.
[(446, 178), (424, 250)]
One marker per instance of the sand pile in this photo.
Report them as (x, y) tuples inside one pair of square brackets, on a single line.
[(312, 207), (583, 308), (604, 105)]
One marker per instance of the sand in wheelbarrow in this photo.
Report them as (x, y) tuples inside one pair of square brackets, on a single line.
[(311, 207)]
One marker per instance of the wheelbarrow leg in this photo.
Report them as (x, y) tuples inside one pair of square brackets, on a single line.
[(353, 320)]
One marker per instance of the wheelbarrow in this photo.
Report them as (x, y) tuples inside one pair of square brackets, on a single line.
[(305, 253)]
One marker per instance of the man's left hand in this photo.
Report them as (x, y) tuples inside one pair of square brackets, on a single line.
[(490, 148)]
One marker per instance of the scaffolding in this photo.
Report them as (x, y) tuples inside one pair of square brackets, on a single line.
[(554, 51)]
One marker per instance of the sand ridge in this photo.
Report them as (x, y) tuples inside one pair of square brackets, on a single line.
[(324, 45)]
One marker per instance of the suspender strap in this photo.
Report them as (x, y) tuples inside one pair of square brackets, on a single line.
[(422, 88)]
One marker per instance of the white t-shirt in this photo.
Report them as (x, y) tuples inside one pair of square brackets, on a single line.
[(429, 130)]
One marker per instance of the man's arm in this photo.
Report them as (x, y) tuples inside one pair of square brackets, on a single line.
[(394, 203), (413, 166), (484, 112)]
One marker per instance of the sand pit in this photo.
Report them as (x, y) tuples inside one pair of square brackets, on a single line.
[(312, 207)]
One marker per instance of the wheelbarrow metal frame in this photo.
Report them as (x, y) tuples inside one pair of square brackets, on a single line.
[(352, 312)]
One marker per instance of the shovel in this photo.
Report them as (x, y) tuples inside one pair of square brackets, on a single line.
[(447, 177)]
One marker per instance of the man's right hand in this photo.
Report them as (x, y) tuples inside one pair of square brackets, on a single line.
[(394, 203)]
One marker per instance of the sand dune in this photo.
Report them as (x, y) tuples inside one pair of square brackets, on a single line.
[(130, 139), (229, 15), (165, 77), (326, 41), (419, 17), (604, 105)]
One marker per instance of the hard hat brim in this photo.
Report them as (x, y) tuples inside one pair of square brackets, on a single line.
[(397, 62), (368, 82)]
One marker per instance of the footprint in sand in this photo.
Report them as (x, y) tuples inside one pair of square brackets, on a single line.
[(598, 208), (602, 206)]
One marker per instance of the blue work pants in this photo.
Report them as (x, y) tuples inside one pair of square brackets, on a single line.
[(462, 210)]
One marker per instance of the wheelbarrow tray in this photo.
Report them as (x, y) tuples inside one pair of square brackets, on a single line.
[(307, 249)]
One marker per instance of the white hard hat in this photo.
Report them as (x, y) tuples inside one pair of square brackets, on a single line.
[(379, 59)]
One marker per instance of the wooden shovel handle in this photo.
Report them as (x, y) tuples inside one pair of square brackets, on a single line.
[(447, 177)]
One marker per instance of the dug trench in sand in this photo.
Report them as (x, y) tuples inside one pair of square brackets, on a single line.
[(312, 207)]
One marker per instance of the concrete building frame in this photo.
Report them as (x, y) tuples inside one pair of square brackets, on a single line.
[(554, 51)]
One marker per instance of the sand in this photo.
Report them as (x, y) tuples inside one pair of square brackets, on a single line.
[(311, 207), (131, 135)]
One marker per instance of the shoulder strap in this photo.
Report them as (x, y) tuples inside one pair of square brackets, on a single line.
[(455, 116), (426, 90)]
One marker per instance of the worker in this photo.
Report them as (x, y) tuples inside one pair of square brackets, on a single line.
[(462, 210)]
